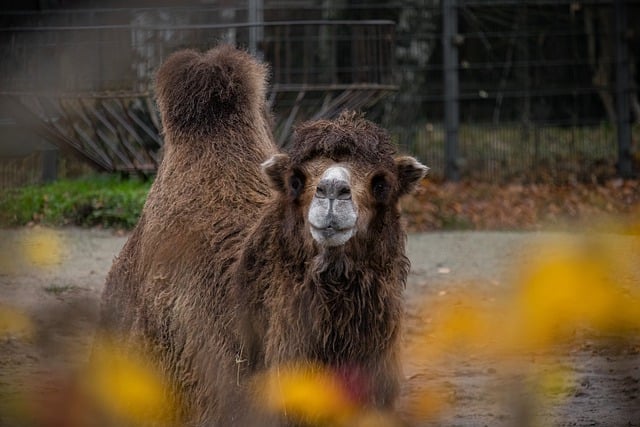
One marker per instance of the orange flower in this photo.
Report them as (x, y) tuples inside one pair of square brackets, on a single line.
[(14, 323), (127, 386), (309, 394)]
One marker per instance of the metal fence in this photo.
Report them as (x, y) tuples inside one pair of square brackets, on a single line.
[(83, 79), (526, 90)]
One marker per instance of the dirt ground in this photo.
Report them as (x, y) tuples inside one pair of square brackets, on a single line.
[(599, 384)]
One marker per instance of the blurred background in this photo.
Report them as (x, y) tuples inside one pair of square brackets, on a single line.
[(527, 112), (489, 90)]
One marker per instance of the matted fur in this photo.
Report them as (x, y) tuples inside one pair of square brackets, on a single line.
[(221, 277), (193, 103), (348, 138)]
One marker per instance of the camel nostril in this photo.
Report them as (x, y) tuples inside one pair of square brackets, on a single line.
[(321, 191), (333, 189), (344, 193)]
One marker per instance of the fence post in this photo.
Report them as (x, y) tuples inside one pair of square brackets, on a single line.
[(623, 86), (256, 31), (49, 162), (451, 89)]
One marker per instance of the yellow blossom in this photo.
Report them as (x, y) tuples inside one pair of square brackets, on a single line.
[(127, 386), (41, 248), (14, 323), (309, 394), (569, 288)]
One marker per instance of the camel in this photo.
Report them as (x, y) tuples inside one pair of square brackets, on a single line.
[(247, 258)]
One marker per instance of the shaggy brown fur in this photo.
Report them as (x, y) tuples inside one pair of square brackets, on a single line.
[(221, 269)]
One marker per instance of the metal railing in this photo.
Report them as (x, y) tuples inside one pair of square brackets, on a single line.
[(537, 80), (123, 58), (89, 88)]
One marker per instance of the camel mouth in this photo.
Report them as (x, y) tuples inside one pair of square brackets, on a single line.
[(331, 236)]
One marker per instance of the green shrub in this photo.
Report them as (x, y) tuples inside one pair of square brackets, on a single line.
[(107, 201)]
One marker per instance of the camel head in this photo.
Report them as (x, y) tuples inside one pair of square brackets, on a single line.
[(340, 176)]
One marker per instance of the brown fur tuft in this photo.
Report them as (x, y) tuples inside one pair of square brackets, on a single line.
[(198, 92), (349, 138)]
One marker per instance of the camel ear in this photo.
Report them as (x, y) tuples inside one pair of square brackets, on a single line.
[(275, 168), (410, 172)]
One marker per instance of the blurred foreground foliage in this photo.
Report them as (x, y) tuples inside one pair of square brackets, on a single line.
[(570, 293), (108, 201)]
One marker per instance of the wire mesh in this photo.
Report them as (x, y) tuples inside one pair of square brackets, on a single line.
[(536, 78)]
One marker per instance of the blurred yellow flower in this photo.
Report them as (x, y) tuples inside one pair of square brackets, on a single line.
[(41, 248), (127, 386), (14, 323), (556, 382), (464, 322), (428, 404), (566, 288), (458, 323), (307, 393), (375, 419)]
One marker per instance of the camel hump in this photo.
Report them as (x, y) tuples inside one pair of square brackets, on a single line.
[(199, 92)]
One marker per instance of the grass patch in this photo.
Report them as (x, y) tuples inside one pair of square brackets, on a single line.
[(107, 201)]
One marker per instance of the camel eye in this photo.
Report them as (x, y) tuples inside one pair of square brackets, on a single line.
[(380, 188), (296, 184)]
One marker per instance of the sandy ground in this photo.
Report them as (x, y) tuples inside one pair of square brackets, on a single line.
[(599, 384)]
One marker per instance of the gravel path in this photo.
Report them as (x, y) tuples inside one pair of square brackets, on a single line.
[(602, 389)]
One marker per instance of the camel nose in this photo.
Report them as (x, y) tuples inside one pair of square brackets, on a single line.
[(333, 189), (332, 212)]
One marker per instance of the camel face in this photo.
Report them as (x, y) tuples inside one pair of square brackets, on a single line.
[(337, 198), (333, 213), (341, 181)]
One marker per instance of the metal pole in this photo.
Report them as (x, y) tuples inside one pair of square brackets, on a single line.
[(49, 161), (256, 31), (451, 89), (623, 86)]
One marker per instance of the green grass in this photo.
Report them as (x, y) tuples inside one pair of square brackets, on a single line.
[(107, 201)]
